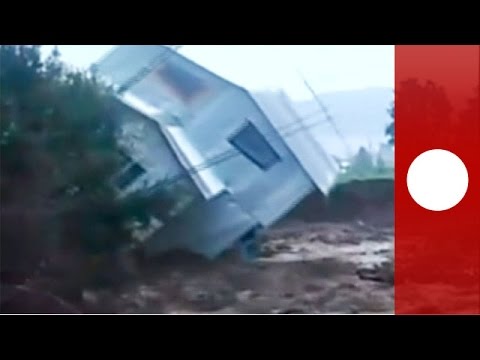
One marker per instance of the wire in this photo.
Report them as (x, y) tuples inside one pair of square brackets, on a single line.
[(328, 116), (223, 157)]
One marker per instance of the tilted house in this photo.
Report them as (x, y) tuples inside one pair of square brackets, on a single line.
[(241, 162)]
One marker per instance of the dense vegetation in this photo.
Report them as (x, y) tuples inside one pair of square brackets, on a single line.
[(390, 130), (59, 153)]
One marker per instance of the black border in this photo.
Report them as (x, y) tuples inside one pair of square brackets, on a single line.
[(315, 24), (325, 336), (243, 23)]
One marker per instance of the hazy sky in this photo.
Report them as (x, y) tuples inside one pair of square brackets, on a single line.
[(328, 68)]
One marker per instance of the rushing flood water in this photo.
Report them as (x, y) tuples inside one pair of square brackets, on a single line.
[(366, 254)]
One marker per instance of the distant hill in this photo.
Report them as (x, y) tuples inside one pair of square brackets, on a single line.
[(360, 115)]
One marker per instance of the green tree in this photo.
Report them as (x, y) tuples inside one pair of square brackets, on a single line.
[(59, 152), (390, 130)]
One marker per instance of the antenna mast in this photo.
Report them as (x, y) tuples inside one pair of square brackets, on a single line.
[(328, 117)]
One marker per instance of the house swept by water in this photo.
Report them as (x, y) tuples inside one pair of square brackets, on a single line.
[(236, 162)]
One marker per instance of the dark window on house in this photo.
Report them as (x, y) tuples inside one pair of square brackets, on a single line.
[(128, 175), (124, 159), (251, 143), (185, 84)]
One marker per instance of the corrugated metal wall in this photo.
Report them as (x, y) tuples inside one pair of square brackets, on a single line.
[(266, 194)]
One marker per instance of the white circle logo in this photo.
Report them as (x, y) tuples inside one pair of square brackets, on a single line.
[(437, 180)]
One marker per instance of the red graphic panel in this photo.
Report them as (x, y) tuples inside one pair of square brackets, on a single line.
[(437, 253)]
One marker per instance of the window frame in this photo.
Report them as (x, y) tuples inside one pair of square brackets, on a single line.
[(128, 166), (260, 164)]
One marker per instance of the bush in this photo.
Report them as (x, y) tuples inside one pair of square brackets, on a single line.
[(59, 152)]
